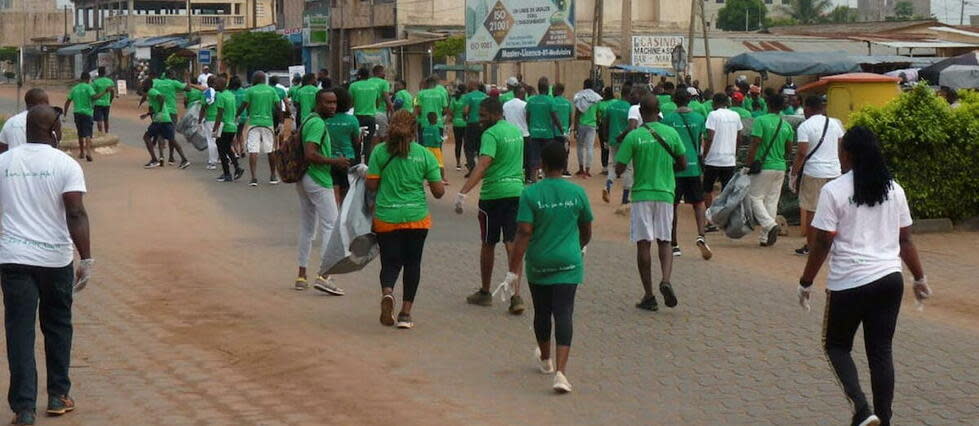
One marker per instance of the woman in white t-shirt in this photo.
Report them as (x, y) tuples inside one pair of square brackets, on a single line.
[(862, 220)]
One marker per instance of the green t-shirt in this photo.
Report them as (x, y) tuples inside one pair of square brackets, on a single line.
[(444, 92), (306, 96), (192, 96), (563, 109), (555, 208), (239, 101), (789, 111), (741, 111), (764, 128), (226, 101), (698, 107), (383, 86), (212, 108), (602, 112), (618, 120), (169, 90), (664, 99), (473, 100), (82, 95), (291, 93), (590, 116), (407, 101), (431, 136), (365, 95), (758, 113), (401, 194), (507, 96), (343, 129), (652, 166), (709, 106), (100, 85), (262, 102), (314, 132), (159, 106), (667, 108), (749, 105), (431, 100), (503, 142), (280, 93), (695, 123), (540, 122), (458, 120)]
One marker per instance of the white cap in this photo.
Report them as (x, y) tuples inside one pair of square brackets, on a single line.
[(512, 81), (692, 91)]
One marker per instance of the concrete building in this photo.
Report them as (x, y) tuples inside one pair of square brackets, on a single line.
[(24, 20), (148, 18), (879, 10)]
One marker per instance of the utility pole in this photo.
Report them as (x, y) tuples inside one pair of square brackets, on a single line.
[(703, 24), (189, 19), (693, 25), (962, 14), (66, 22), (20, 57), (627, 31), (373, 30), (98, 18), (341, 68), (254, 13), (596, 35)]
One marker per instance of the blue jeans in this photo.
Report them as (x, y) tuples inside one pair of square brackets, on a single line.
[(24, 287)]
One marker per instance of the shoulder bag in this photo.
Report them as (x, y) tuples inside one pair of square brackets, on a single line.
[(798, 182)]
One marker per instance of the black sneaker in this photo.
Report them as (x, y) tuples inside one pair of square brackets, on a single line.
[(254, 182), (669, 297), (171, 162), (677, 252), (802, 251), (224, 178), (772, 236), (711, 228), (184, 164), (516, 305), (566, 174), (61, 404), (238, 173), (480, 298), (151, 165), (648, 304), (25, 417)]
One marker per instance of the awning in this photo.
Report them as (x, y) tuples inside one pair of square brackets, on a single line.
[(73, 49), (644, 70), (162, 41), (470, 68), (960, 77), (118, 44), (933, 72), (793, 63), (398, 43)]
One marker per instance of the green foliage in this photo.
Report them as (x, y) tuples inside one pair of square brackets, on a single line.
[(780, 21), (807, 11), (842, 15), (931, 149), (731, 17), (903, 10), (178, 62), (450, 47), (258, 50), (8, 54)]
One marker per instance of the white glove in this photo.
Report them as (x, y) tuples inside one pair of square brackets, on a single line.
[(82, 274), (921, 292), (505, 289), (792, 179), (460, 198), (360, 170), (804, 295), (584, 250)]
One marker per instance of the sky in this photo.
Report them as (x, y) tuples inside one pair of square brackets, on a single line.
[(946, 11)]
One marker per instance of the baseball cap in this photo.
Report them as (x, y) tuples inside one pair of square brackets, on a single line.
[(692, 91), (737, 96), (512, 81)]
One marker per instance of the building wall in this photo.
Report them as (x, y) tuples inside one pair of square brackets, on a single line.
[(663, 14), (431, 13), (20, 27), (292, 13)]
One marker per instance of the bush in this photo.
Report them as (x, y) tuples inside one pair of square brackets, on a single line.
[(931, 149)]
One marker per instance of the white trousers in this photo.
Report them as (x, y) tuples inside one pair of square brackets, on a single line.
[(317, 208), (764, 193), (586, 146), (212, 145)]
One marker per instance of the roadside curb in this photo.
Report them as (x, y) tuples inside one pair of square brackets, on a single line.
[(928, 226), (105, 144)]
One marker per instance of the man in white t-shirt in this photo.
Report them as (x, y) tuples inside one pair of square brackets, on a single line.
[(818, 158), (205, 74), (14, 132), (515, 111), (721, 146), (43, 221)]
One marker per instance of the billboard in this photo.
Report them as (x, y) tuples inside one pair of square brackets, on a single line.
[(316, 30), (519, 30), (654, 50)]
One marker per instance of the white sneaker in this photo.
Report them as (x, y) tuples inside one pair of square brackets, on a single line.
[(873, 420), (327, 286), (561, 384), (545, 365)]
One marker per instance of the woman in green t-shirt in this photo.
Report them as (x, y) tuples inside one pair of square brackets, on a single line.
[(553, 227), (397, 173), (458, 123)]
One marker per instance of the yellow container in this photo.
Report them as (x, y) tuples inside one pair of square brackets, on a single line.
[(846, 93)]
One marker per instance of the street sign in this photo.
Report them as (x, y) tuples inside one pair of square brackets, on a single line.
[(654, 50), (678, 58), (604, 56), (204, 57)]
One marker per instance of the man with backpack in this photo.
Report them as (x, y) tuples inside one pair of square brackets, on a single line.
[(816, 162), (771, 141), (689, 188)]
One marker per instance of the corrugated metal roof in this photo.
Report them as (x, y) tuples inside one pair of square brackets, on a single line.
[(927, 44)]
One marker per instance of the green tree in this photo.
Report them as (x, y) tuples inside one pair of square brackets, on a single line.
[(8, 54), (741, 15), (258, 50), (450, 47), (807, 11), (842, 15), (903, 10)]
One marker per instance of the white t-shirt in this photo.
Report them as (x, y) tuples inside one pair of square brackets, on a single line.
[(723, 149), (33, 178), (202, 79), (824, 163), (636, 114), (14, 132), (515, 112), (866, 247)]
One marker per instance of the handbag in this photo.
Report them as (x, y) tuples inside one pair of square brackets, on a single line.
[(798, 182), (755, 167), (677, 165)]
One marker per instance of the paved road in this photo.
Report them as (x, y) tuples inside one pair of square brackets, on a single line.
[(192, 321)]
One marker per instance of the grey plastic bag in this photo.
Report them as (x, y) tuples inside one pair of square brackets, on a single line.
[(353, 244), (731, 210), (191, 130)]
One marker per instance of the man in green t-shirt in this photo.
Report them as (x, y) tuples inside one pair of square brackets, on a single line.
[(306, 97), (771, 143), (690, 125), (402, 97), (500, 169), (430, 100), (474, 132), (543, 124), (224, 132), (737, 100), (83, 95), (562, 108), (553, 227), (378, 78), (617, 118), (262, 103), (101, 109), (366, 95), (652, 148), (160, 129), (318, 205), (608, 96)]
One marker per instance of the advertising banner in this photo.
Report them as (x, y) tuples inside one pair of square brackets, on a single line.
[(519, 30), (368, 57), (654, 50), (316, 30)]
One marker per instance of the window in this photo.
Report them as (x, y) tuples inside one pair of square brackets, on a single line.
[(6, 4)]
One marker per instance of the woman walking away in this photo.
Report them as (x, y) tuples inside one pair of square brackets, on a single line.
[(458, 123), (553, 227), (398, 173), (863, 219)]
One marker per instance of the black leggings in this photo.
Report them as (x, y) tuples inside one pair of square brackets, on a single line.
[(474, 134), (224, 152), (459, 135), (876, 306), (555, 300), (402, 249)]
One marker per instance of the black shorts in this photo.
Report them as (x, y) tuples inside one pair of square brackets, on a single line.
[(498, 217), (689, 189), (339, 177), (101, 113), (83, 124), (160, 130), (714, 174), (474, 135), (532, 152)]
